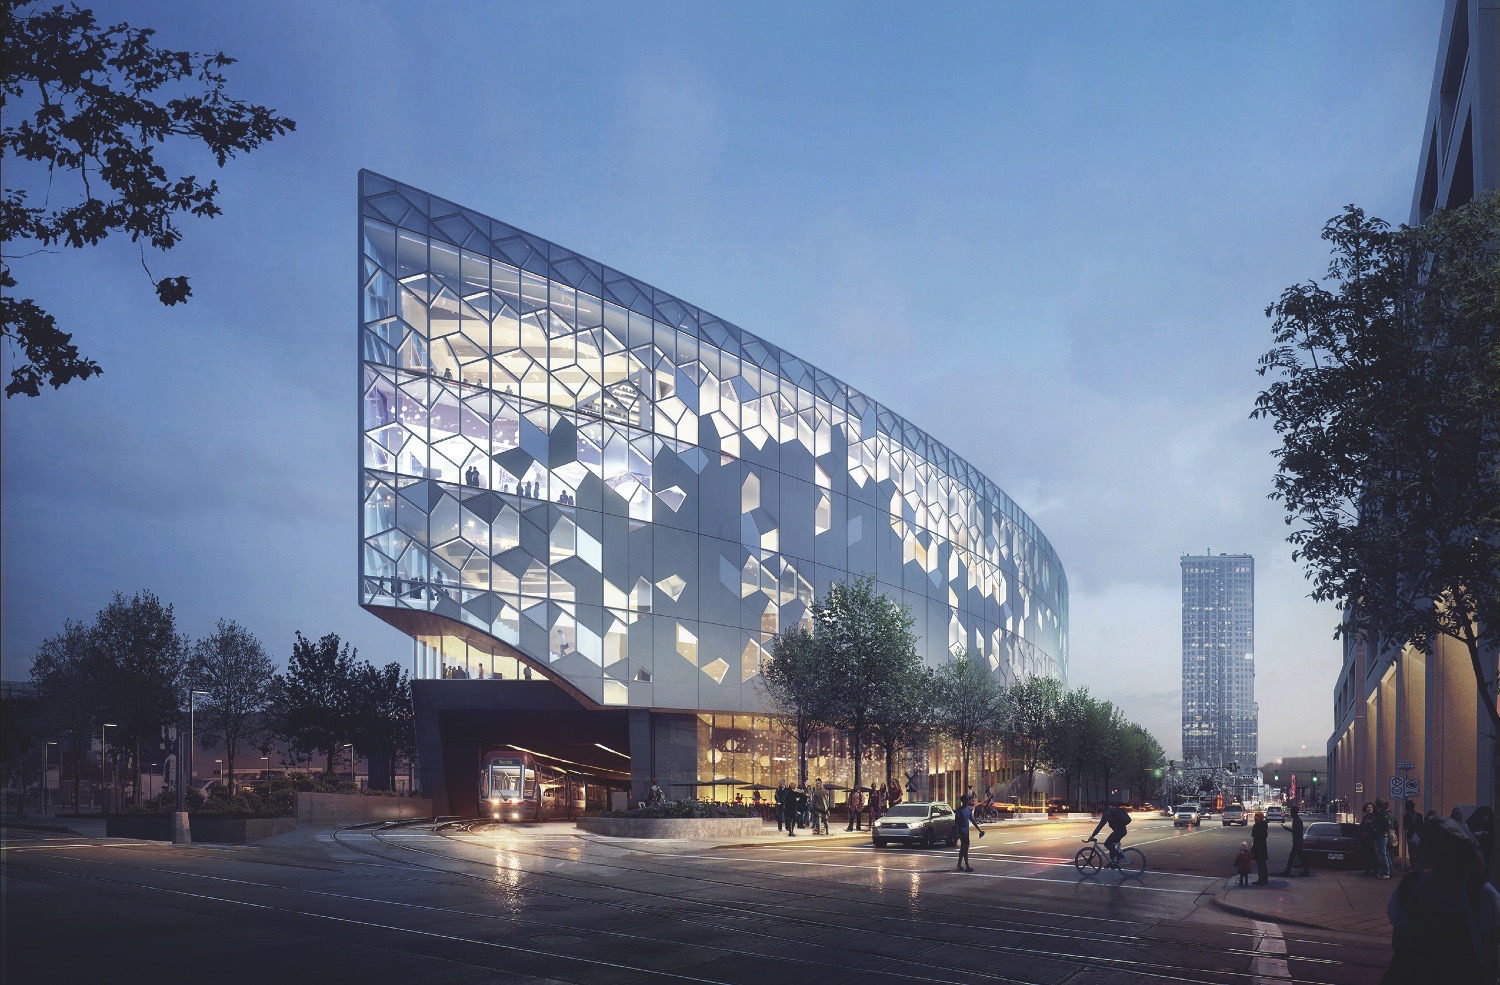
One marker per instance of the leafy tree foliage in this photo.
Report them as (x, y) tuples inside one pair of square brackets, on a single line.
[(797, 684), (96, 104), (311, 705), (234, 670), (905, 717), (1386, 398), (20, 741), (382, 725), (971, 707), (139, 658), (71, 695), (1032, 704), (870, 651), (126, 668)]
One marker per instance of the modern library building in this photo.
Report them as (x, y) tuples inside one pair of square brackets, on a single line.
[(591, 506)]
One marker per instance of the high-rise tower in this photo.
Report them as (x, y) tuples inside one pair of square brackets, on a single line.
[(1220, 719)]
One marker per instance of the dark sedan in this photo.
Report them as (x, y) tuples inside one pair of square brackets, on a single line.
[(915, 824), (1331, 844)]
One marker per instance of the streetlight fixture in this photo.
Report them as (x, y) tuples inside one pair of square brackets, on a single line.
[(192, 752), (46, 765), (101, 762)]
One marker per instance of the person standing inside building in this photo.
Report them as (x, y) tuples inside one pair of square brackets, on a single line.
[(1295, 857), (1259, 832), (962, 822)]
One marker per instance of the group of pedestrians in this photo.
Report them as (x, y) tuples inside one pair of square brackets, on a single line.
[(797, 806)]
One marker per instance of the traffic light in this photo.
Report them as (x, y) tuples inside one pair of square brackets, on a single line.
[(1157, 773), (1276, 777), (1315, 778)]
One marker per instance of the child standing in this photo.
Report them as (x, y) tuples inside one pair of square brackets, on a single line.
[(1242, 860)]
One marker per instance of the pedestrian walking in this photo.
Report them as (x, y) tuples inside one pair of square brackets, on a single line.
[(1411, 829), (780, 798), (1242, 860), (963, 821), (856, 805), (1445, 921), (797, 810), (1295, 857), (1259, 832)]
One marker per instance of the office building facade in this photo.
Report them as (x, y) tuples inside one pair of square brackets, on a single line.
[(1220, 718), (587, 501), (1400, 713)]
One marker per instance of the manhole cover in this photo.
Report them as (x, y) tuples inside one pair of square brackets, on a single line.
[(557, 940)]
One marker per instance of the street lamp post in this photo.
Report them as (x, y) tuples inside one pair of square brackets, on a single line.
[(46, 764), (101, 763), (191, 751), (350, 747), (267, 761)]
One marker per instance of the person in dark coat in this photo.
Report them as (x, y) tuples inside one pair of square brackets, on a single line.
[(962, 822), (796, 811), (1367, 839), (1295, 856), (1481, 825), (780, 798), (1259, 831), (1445, 921)]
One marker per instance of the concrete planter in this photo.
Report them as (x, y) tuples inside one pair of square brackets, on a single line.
[(340, 808), (204, 828), (694, 828)]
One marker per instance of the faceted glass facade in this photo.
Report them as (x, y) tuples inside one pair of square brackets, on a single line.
[(568, 473)]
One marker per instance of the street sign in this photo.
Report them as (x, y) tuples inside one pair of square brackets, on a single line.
[(1397, 786), (1413, 787), (1406, 766), (1359, 788)]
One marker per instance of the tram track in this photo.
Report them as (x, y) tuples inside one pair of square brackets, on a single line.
[(393, 852), (969, 903), (779, 911)]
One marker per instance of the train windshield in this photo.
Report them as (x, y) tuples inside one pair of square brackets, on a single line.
[(511, 779)]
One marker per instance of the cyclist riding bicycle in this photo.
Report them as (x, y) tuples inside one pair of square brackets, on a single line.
[(1118, 820)]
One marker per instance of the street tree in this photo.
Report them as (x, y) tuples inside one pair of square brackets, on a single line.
[(310, 705), (869, 645), (1032, 704), (21, 740), (70, 692), (87, 108), (382, 724), (904, 717), (1385, 395), (796, 683), (971, 707), (139, 661), (232, 667)]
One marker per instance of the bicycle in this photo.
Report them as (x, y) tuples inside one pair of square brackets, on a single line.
[(1091, 859), (986, 814)]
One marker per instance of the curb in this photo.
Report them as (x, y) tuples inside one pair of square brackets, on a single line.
[(1245, 911)]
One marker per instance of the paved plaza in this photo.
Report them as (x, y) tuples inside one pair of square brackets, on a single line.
[(546, 903)]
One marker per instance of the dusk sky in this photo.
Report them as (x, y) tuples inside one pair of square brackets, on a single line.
[(1045, 234)]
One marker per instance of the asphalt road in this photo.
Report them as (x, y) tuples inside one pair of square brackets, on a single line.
[(544, 904)]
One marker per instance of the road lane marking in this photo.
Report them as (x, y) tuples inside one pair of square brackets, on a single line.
[(1269, 964)]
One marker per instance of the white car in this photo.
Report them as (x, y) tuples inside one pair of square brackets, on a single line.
[(1187, 816), (1276, 814)]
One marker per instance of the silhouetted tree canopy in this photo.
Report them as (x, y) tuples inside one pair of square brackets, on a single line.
[(86, 109)]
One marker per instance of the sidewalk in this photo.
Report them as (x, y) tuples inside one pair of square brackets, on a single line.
[(1328, 899), (837, 835)]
